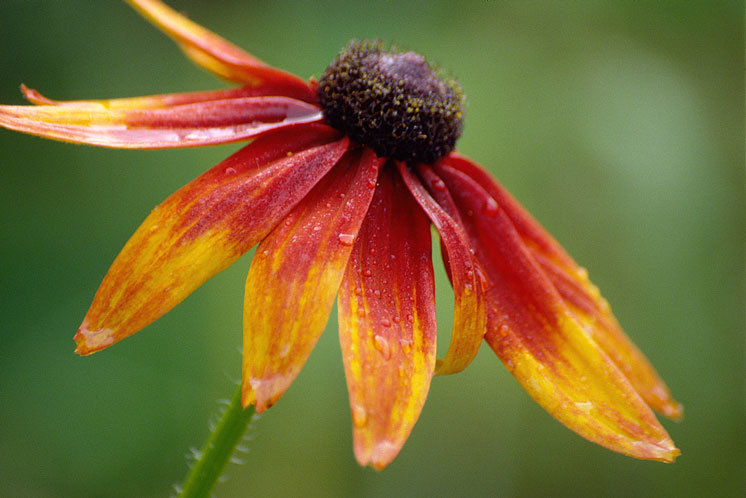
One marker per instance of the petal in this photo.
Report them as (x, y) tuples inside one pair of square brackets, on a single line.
[(579, 294), (217, 55), (470, 314), (295, 275), (203, 227), (157, 101), (543, 344), (185, 125), (387, 322)]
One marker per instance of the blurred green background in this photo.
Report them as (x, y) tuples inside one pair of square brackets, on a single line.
[(620, 125)]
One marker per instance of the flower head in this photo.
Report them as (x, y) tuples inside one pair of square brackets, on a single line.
[(338, 187)]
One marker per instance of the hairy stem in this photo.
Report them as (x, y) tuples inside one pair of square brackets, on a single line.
[(218, 449)]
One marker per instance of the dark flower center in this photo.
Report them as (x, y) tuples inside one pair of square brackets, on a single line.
[(393, 102)]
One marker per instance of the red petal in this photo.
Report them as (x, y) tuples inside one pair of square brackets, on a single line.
[(470, 314), (542, 343), (578, 293), (203, 228), (387, 322), (185, 125), (161, 101), (295, 275), (219, 56)]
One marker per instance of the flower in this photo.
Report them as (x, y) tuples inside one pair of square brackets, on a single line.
[(338, 188)]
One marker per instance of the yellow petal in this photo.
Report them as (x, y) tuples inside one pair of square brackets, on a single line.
[(216, 54), (204, 227), (387, 322), (544, 345), (295, 275), (581, 297)]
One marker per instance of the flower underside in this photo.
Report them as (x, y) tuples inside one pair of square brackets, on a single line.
[(338, 187)]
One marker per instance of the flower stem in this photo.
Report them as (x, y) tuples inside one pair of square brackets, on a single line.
[(218, 449)]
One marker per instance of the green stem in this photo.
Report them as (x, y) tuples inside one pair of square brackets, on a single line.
[(218, 449)]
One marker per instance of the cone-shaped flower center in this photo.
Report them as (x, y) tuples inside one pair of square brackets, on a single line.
[(393, 102)]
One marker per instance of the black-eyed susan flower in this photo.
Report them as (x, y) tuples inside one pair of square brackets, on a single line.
[(338, 187)]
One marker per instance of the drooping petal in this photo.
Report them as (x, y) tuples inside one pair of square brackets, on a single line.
[(470, 314), (158, 101), (387, 322), (295, 275), (185, 125), (204, 227), (217, 55), (543, 344), (579, 294)]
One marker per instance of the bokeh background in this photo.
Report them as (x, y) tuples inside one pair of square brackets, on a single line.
[(620, 125)]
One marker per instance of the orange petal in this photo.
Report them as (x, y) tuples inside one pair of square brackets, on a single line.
[(470, 314), (582, 297), (217, 55), (543, 344), (387, 322), (295, 275), (185, 125), (157, 101), (203, 228)]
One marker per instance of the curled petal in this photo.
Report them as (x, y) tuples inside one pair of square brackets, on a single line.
[(582, 297), (387, 322), (195, 124), (217, 55), (204, 227), (295, 275), (470, 314), (544, 345)]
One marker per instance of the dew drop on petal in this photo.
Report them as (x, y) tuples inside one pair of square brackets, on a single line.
[(346, 239), (382, 345), (386, 322), (406, 345), (230, 171), (371, 184), (265, 253), (361, 312), (285, 350), (359, 415), (439, 185), (377, 293), (410, 318), (504, 329), (367, 273), (490, 207), (358, 291)]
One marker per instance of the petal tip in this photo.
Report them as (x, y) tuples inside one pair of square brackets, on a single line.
[(89, 341), (379, 455)]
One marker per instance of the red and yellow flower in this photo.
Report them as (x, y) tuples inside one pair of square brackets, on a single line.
[(335, 216)]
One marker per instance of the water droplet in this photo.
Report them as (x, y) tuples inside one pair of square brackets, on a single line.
[(361, 312), (382, 345), (367, 273), (265, 253), (377, 293), (406, 345), (583, 273), (359, 416), (328, 205), (468, 288), (386, 322), (230, 171), (410, 318), (397, 319), (470, 274), (358, 291), (490, 207), (346, 239), (371, 184), (372, 251), (342, 195), (504, 330), (439, 185), (285, 350)]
